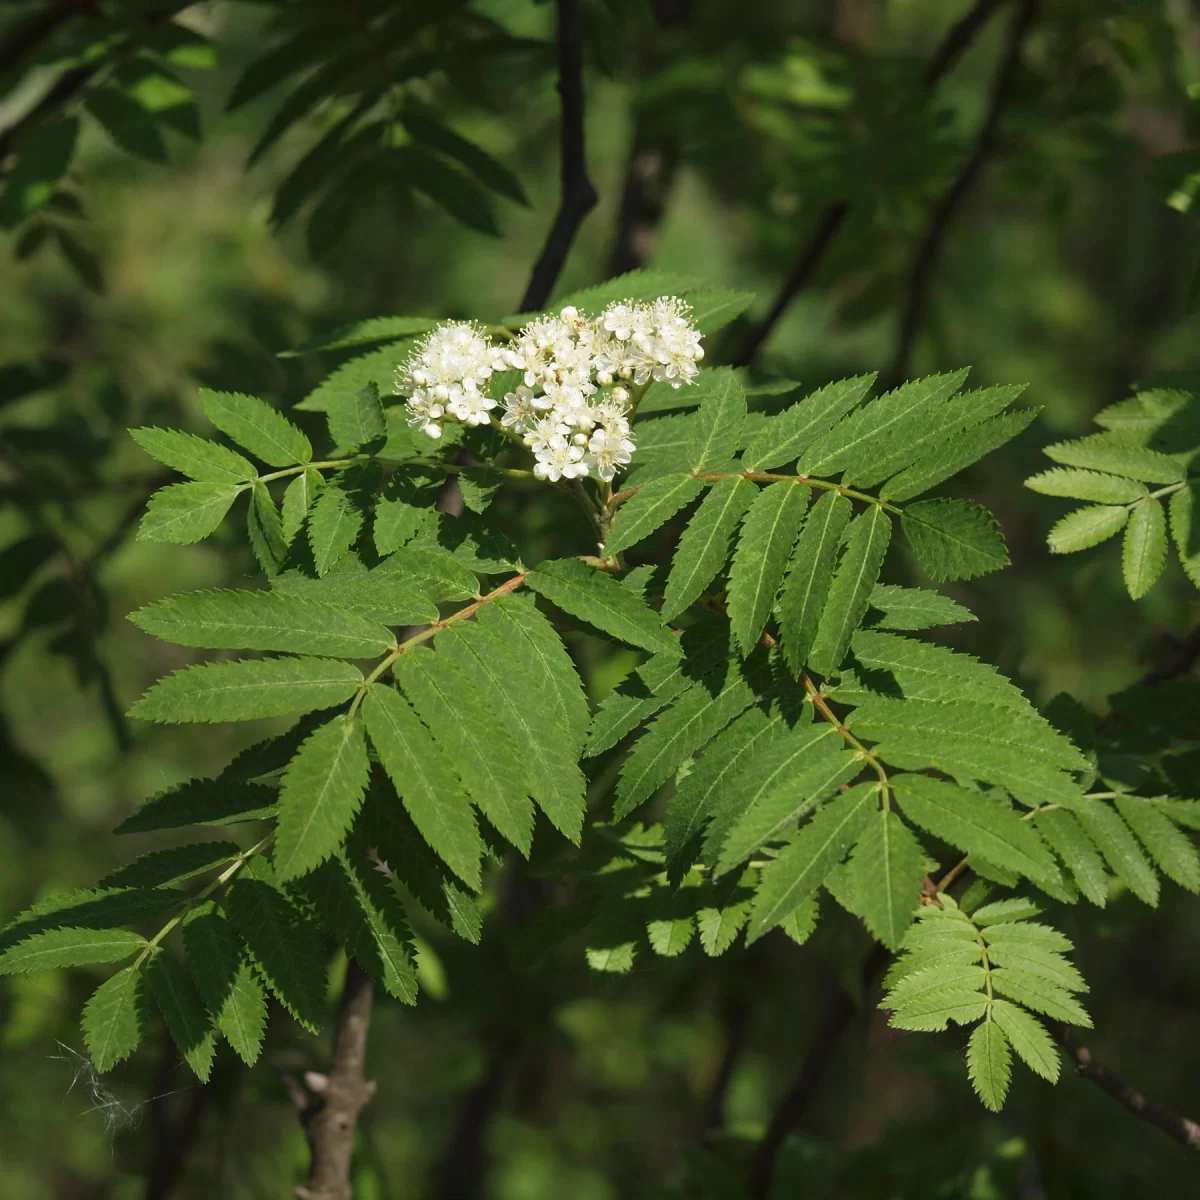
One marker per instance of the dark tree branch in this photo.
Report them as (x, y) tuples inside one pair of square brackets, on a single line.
[(172, 1134), (578, 196), (736, 1023), (332, 1115), (828, 225), (834, 215), (796, 1099), (930, 250), (649, 175), (1181, 1129)]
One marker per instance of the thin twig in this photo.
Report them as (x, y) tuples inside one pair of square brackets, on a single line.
[(1181, 1129), (929, 251), (791, 1109), (834, 215), (578, 196)]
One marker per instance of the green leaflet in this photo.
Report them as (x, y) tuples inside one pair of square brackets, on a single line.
[(788, 435), (115, 1019), (1086, 527), (867, 542), (184, 513), (915, 608), (248, 689), (719, 925), (231, 990), (183, 1010), (285, 944), (884, 875), (517, 618), (810, 855), (1064, 835), (376, 366), (956, 453), (922, 671), (383, 598), (595, 598), (44, 158), (704, 546), (1019, 752), (105, 909), (937, 440), (431, 566), (464, 723), (1144, 553), (1086, 485), (701, 711), (425, 782), (989, 1064), (954, 539), (786, 798), (1112, 838), (69, 947), (714, 308), (978, 822), (245, 620), (756, 800), (1117, 454), (718, 430), (256, 426), (162, 867), (388, 827), (363, 333), (195, 457), (632, 285), (298, 498), (265, 529), (519, 696), (368, 918), (356, 419), (764, 547), (655, 684), (869, 436), (1186, 532), (334, 522), (1171, 851), (201, 802), (322, 790), (1036, 993), (422, 125), (1029, 1039), (649, 508), (810, 574)]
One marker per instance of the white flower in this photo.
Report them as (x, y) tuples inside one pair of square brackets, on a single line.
[(559, 411), (607, 452), (471, 406), (560, 462), (547, 434), (424, 413), (520, 410)]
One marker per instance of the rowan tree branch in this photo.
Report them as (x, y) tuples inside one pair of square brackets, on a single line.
[(1179, 1128), (340, 1096), (578, 196), (834, 215), (791, 1109), (929, 251)]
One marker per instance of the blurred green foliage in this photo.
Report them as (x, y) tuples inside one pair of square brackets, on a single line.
[(1071, 265)]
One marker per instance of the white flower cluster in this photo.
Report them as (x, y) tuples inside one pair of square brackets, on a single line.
[(570, 409)]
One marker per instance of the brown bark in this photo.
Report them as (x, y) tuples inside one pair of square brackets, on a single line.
[(331, 1116)]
